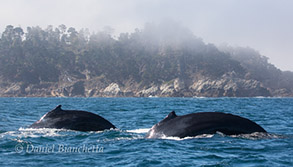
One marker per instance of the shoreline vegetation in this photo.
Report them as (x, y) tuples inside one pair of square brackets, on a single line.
[(161, 60)]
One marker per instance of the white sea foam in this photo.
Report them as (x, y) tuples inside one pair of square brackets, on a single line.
[(150, 96), (139, 130), (186, 138), (199, 97), (258, 135), (34, 133), (19, 134), (130, 138), (259, 97)]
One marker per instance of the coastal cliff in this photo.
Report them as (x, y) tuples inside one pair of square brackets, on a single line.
[(159, 60), (226, 86)]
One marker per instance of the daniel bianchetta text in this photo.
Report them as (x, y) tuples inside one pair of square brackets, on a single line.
[(58, 148)]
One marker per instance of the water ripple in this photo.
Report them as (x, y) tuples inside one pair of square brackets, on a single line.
[(127, 145)]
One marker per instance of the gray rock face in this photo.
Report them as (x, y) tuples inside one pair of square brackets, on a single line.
[(112, 90), (167, 89), (228, 85), (12, 89), (149, 92), (179, 84), (172, 88)]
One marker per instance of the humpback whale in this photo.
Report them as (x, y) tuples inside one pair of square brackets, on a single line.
[(202, 123), (73, 120)]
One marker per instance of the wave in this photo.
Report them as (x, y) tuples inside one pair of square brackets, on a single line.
[(187, 138), (139, 130), (252, 136), (124, 134), (35, 133), (123, 138), (200, 97), (258, 135)]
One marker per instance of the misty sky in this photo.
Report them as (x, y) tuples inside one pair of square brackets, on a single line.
[(265, 25)]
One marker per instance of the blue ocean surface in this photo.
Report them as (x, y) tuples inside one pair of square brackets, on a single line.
[(127, 146)]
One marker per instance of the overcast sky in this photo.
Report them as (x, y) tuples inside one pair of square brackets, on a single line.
[(265, 25)]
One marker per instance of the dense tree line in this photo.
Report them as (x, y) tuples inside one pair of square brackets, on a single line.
[(155, 54), (259, 68)]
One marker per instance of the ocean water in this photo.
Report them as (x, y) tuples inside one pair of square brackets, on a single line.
[(126, 146)]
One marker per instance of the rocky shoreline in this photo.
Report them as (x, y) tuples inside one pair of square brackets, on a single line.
[(225, 86)]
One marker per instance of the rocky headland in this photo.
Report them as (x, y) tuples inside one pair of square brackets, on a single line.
[(226, 86), (160, 60)]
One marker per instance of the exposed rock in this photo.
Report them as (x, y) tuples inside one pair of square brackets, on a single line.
[(230, 87), (78, 89), (167, 89), (112, 90), (179, 84), (95, 86), (75, 89), (282, 93), (13, 89), (152, 91)]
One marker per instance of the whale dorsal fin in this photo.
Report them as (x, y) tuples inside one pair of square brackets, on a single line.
[(170, 116), (58, 108)]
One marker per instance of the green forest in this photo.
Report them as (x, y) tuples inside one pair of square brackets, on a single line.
[(154, 54)]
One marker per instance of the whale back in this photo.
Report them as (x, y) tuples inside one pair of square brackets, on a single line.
[(73, 120), (203, 123)]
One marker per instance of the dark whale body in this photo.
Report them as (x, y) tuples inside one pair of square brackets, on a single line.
[(203, 123), (73, 120)]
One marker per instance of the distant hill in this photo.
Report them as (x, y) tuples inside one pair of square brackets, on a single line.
[(162, 59)]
